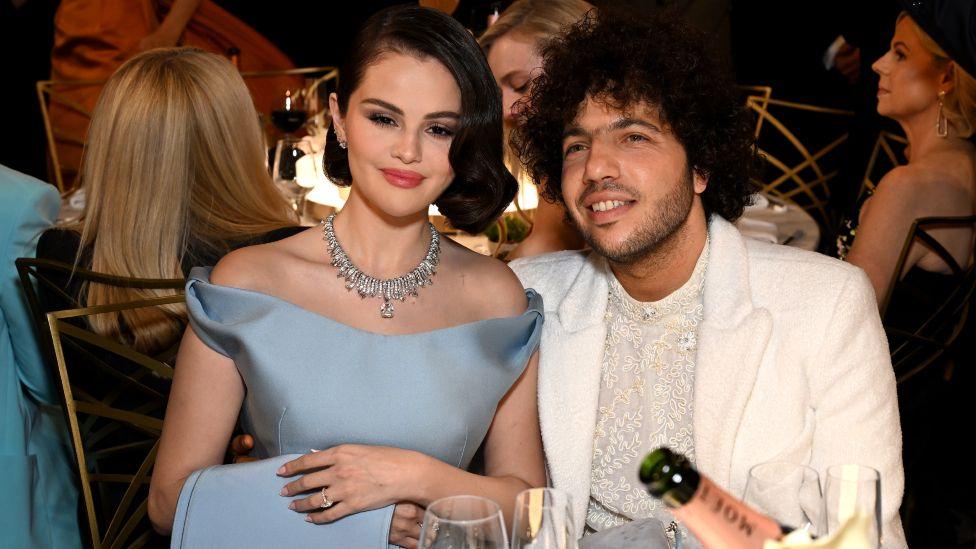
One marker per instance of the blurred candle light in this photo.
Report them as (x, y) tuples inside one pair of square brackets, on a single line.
[(527, 196), (310, 174)]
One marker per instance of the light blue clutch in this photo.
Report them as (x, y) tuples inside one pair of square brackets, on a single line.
[(238, 505)]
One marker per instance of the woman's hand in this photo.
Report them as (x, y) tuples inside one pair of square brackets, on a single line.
[(405, 528), (355, 478)]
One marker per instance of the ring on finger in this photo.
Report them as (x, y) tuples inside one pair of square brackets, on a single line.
[(326, 502)]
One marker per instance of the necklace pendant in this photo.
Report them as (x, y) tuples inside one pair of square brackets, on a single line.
[(386, 289)]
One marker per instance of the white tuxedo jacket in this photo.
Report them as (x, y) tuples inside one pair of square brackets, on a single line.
[(792, 365)]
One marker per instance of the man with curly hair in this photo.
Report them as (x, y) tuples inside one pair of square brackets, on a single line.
[(674, 330)]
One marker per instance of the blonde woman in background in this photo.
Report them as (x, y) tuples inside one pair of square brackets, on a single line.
[(512, 45), (933, 98), (174, 173)]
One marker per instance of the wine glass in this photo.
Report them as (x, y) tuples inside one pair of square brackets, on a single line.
[(291, 181), (789, 493), (850, 490), (290, 115), (463, 522), (543, 520)]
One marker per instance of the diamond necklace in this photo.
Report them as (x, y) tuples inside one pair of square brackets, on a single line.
[(390, 288)]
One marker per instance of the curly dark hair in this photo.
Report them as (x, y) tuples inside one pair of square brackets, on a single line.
[(623, 59), (482, 186)]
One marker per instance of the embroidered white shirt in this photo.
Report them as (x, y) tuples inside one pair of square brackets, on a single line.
[(646, 396)]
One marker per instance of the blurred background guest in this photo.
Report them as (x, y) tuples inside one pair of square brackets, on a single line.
[(933, 99), (812, 52), (512, 45), (926, 86), (92, 39), (174, 177), (39, 507)]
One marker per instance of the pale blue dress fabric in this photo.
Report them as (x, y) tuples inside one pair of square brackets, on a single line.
[(38, 495), (313, 382)]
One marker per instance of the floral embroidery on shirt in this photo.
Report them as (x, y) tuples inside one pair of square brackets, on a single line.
[(646, 396)]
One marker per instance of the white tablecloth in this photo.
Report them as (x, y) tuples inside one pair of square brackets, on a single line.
[(774, 221)]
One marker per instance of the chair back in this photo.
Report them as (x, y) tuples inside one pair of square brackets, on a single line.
[(115, 399), (795, 142), (45, 283), (938, 329), (66, 116)]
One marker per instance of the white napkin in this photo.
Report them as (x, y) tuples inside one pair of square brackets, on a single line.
[(76, 200), (757, 229), (855, 533), (757, 202)]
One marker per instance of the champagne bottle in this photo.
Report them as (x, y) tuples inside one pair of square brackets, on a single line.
[(714, 516)]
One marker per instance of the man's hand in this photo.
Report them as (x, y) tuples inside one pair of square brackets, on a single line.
[(848, 62), (405, 527), (240, 448)]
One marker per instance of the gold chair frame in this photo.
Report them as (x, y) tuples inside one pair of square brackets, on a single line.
[(811, 195), (123, 520), (31, 271), (916, 350), (883, 150), (49, 90)]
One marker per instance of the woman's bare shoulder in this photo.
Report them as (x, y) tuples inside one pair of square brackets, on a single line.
[(926, 183), (263, 266), (493, 287)]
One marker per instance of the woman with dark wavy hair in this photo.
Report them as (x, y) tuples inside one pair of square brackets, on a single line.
[(367, 389)]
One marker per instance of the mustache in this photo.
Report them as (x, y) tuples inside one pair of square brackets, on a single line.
[(606, 186)]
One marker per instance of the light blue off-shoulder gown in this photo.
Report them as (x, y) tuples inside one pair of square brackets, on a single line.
[(312, 382)]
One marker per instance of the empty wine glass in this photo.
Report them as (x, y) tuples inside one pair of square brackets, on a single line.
[(543, 520), (850, 490), (789, 493), (463, 522), (286, 175)]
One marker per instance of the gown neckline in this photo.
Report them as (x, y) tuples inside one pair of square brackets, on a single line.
[(530, 294)]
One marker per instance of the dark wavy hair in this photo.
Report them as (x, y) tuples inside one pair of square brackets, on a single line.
[(624, 59), (482, 187)]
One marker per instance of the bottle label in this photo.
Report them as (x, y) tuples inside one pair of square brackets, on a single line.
[(720, 520)]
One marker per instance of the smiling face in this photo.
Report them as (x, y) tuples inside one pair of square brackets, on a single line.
[(514, 61), (910, 76), (626, 180), (398, 126)]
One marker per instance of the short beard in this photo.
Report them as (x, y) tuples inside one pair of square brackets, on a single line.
[(657, 228)]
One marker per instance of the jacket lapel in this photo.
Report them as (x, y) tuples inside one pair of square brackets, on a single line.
[(569, 383), (732, 341)]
